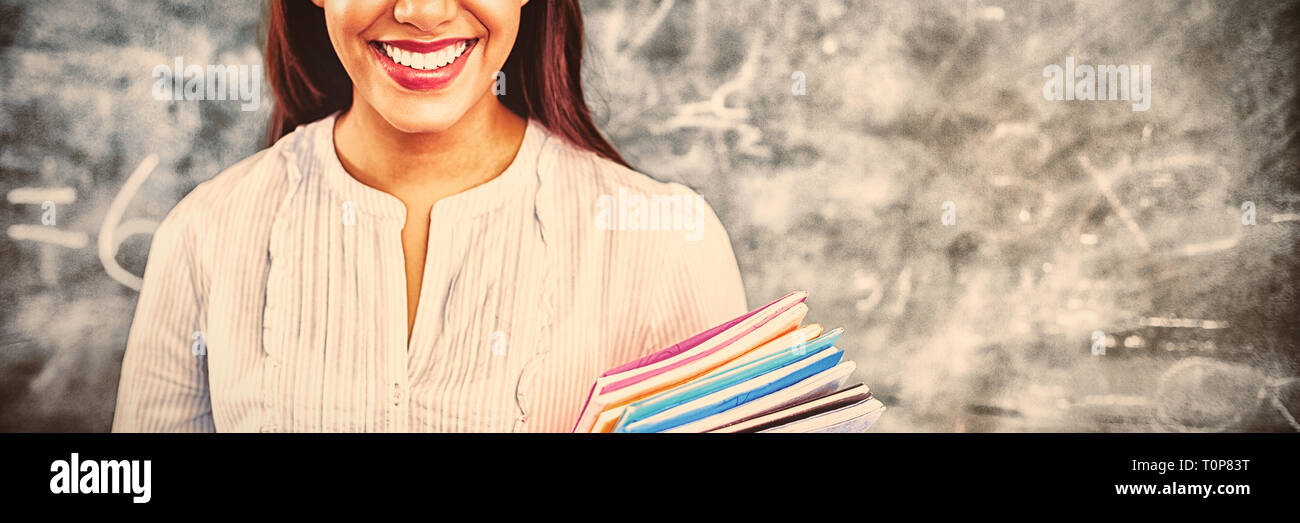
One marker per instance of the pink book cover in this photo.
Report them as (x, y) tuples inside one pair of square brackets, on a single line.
[(681, 347)]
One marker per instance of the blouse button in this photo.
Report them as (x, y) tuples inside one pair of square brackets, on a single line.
[(273, 366)]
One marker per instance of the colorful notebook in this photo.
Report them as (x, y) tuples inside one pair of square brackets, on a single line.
[(825, 403), (760, 372), (735, 373), (687, 360)]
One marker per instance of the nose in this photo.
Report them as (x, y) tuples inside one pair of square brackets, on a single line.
[(425, 15)]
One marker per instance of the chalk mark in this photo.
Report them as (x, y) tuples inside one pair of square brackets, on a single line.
[(47, 234), (38, 195), (113, 231), (1103, 179), (651, 25)]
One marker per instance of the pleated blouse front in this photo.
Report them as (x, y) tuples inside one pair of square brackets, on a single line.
[(274, 298)]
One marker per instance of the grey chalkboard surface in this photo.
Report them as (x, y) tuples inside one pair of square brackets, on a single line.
[(982, 242)]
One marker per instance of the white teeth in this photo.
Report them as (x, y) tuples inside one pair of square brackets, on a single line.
[(426, 61)]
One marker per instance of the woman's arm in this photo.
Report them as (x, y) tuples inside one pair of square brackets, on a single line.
[(164, 384), (700, 284)]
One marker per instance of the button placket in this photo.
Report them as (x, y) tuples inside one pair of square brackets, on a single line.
[(398, 352), (272, 370), (398, 412), (271, 365), (545, 334), (545, 337), (276, 258)]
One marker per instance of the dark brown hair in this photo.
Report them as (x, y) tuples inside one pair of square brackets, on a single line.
[(543, 72)]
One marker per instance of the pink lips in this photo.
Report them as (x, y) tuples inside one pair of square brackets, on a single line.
[(423, 80)]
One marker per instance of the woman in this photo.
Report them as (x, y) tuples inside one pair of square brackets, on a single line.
[(423, 247)]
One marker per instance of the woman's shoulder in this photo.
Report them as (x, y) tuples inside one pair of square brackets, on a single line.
[(257, 177), (585, 174), (635, 214), (618, 199)]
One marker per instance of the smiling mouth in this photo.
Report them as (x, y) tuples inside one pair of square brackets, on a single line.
[(409, 55)]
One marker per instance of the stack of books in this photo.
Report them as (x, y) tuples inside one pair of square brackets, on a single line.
[(761, 372)]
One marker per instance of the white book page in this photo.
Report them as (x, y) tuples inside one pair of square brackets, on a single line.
[(871, 408), (795, 409)]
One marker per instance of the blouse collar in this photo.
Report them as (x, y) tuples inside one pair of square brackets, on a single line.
[(313, 153)]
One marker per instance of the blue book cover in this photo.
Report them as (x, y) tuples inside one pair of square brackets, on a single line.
[(737, 394), (723, 378)]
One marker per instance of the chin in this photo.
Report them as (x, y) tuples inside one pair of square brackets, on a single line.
[(423, 122), (422, 116)]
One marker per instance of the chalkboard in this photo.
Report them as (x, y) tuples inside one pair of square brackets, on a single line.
[(1002, 260)]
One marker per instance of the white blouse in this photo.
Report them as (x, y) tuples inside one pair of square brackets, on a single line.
[(274, 297)]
